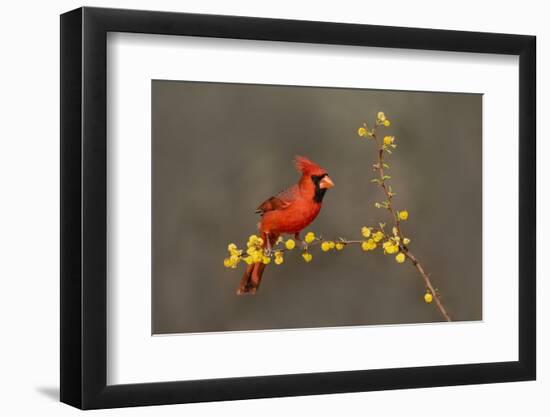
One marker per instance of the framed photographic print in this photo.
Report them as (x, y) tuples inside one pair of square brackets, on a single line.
[(257, 208)]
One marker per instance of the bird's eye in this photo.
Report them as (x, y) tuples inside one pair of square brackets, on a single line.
[(317, 178)]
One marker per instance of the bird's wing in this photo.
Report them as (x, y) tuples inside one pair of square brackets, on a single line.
[(279, 201)]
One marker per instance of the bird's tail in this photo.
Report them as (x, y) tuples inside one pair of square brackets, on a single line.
[(250, 282)]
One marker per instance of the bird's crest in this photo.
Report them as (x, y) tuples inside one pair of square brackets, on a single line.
[(307, 167)]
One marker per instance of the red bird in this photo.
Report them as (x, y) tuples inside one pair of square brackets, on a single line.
[(288, 212)]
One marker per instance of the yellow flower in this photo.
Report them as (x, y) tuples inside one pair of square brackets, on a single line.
[(362, 132), (388, 140), (406, 241), (233, 251), (400, 257), (428, 297), (290, 244), (251, 250), (254, 241), (381, 116), (231, 262), (365, 231), (279, 258), (340, 246), (310, 237), (257, 256), (368, 245), (307, 256), (248, 260), (332, 244), (403, 215), (378, 236), (386, 123), (266, 260), (390, 247), (325, 246)]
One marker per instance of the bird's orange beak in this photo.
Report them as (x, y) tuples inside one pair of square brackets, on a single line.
[(326, 182)]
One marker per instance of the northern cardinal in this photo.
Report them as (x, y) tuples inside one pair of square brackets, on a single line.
[(288, 212)]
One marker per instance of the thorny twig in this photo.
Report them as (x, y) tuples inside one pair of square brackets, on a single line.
[(379, 166)]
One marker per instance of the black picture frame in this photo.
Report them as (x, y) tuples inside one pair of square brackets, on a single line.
[(84, 207)]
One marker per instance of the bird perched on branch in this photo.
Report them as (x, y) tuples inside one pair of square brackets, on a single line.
[(288, 212)]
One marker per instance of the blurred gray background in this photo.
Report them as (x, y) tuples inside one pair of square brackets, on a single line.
[(219, 150)]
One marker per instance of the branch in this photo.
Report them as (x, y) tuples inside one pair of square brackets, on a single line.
[(435, 293), (379, 166)]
